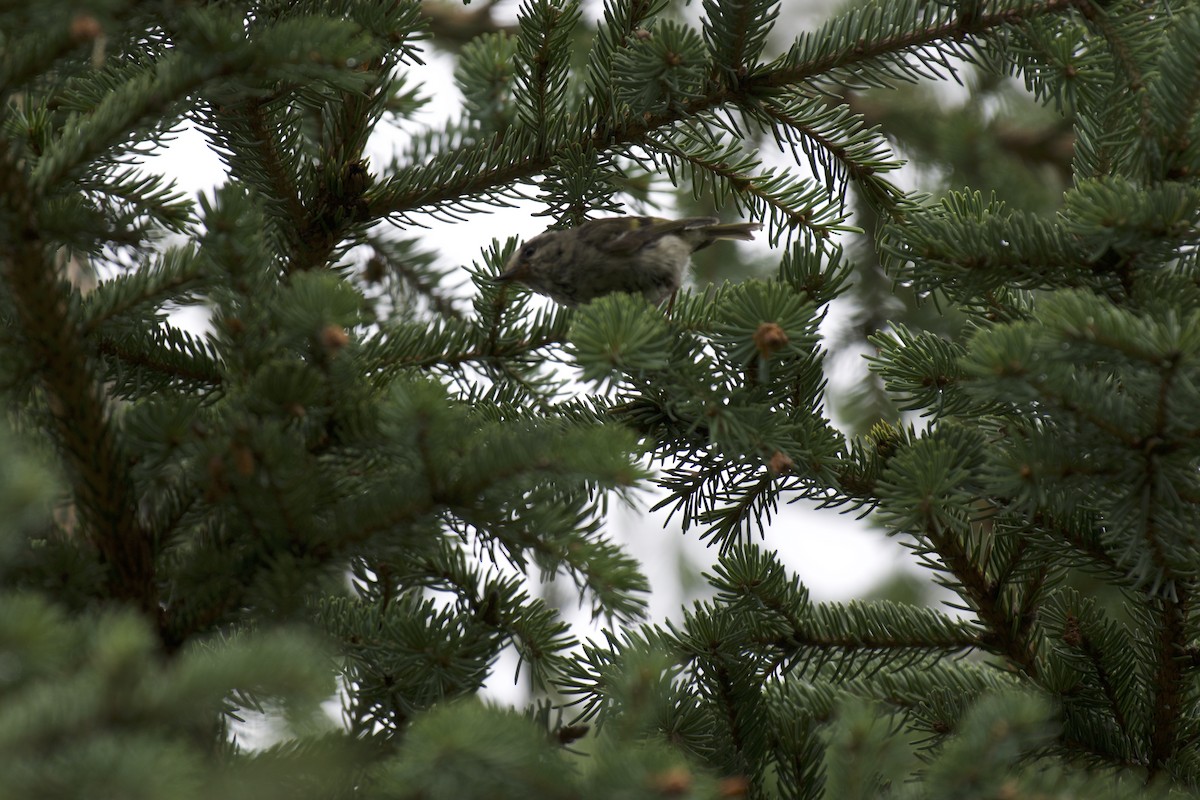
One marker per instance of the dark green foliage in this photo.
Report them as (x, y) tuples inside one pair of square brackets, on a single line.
[(350, 484)]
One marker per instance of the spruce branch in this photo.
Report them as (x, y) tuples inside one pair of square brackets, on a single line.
[(461, 346), (176, 273), (790, 203), (1004, 632), (1118, 34), (26, 58), (171, 355), (541, 68), (421, 282), (493, 168), (1170, 679), (836, 142), (140, 98), (1098, 652), (245, 132), (623, 20), (875, 629), (736, 32), (846, 48), (45, 306), (1175, 95)]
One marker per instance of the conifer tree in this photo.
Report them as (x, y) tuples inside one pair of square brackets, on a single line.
[(349, 487)]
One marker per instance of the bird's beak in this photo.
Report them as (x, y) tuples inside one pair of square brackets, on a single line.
[(514, 271)]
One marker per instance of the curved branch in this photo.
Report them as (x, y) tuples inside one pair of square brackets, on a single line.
[(500, 165)]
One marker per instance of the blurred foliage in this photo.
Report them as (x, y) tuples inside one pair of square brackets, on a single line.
[(351, 484)]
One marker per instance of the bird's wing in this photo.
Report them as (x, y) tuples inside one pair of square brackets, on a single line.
[(627, 235)]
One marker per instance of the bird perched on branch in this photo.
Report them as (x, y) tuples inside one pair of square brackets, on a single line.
[(638, 255)]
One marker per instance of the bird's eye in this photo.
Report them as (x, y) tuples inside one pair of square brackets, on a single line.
[(527, 251)]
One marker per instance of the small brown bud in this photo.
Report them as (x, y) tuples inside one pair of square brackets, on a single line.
[(334, 338), (770, 338), (217, 483), (243, 460), (297, 410), (734, 786), (570, 733), (234, 325), (780, 464), (375, 270), (641, 34), (85, 28), (674, 781), (1009, 790)]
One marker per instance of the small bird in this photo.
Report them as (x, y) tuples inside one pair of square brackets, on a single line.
[(638, 255)]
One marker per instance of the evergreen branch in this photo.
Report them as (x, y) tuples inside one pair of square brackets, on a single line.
[(963, 246), (171, 354), (736, 32), (1169, 682), (1099, 661), (1154, 521), (338, 206), (489, 168), (538, 392), (26, 58), (268, 153), (840, 642), (1088, 545), (178, 272), (1132, 64), (420, 283), (542, 67), (534, 629), (1175, 93), (951, 517), (757, 501), (102, 486), (1031, 594), (1051, 393), (835, 135), (131, 194), (790, 202), (467, 353), (622, 21), (484, 171), (867, 37), (1004, 634), (301, 63), (739, 711), (140, 99), (1051, 144)]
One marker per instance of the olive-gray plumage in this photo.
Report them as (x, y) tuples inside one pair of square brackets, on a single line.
[(639, 255)]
